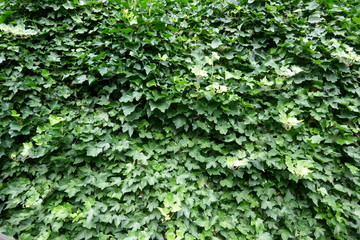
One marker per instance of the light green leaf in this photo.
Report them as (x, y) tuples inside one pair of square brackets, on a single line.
[(165, 212), (81, 78), (26, 149), (14, 113), (352, 168), (316, 139), (148, 69), (54, 57), (163, 57), (2, 57), (233, 162), (356, 19), (289, 122), (199, 72), (151, 83), (103, 70), (179, 122), (315, 18), (93, 151), (128, 109), (55, 120), (265, 236), (17, 30), (216, 43)]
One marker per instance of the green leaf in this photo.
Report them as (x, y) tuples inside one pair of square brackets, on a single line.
[(356, 19), (129, 97), (179, 122), (163, 57), (233, 162), (5, 15), (151, 83), (103, 70), (128, 128), (148, 69), (89, 217), (81, 78), (315, 18), (267, 204), (199, 72), (171, 236), (222, 128), (27, 147), (265, 236), (162, 105), (216, 43), (352, 168), (55, 120), (53, 57), (165, 212), (128, 109), (259, 225), (227, 223), (93, 151), (316, 139), (285, 234), (2, 57), (14, 113)]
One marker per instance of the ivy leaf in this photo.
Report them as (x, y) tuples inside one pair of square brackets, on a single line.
[(165, 212), (55, 120), (148, 69), (103, 70), (26, 149), (233, 162), (128, 128), (265, 236), (267, 204), (163, 57), (352, 168), (289, 122), (93, 151), (128, 109), (162, 105), (88, 222), (222, 128), (151, 83), (54, 57), (179, 122), (2, 58), (216, 43), (356, 19), (227, 223), (81, 78), (315, 18), (316, 139), (199, 72)]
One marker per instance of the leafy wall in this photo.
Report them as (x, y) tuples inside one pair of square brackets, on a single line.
[(156, 119)]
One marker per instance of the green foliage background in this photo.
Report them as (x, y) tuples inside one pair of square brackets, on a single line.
[(179, 119)]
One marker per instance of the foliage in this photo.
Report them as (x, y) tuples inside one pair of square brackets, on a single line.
[(154, 119)]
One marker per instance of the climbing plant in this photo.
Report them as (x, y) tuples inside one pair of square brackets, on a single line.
[(164, 119)]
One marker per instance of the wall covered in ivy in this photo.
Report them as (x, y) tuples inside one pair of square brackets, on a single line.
[(160, 119)]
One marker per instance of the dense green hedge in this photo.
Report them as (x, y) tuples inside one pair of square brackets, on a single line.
[(155, 119)]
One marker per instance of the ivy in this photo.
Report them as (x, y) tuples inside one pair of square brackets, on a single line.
[(156, 119)]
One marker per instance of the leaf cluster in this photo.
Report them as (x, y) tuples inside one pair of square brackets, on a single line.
[(162, 119)]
